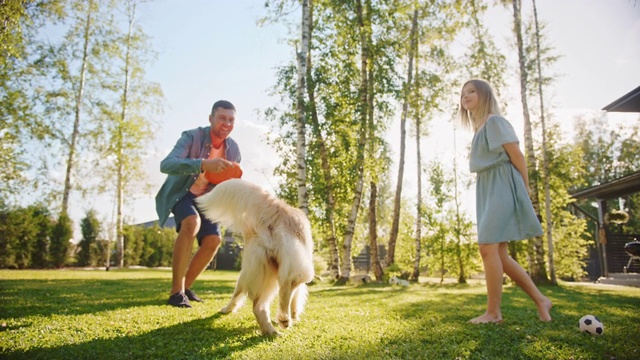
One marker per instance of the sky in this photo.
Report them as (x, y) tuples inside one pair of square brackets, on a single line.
[(213, 49)]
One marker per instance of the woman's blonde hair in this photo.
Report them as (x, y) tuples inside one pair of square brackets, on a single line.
[(487, 104)]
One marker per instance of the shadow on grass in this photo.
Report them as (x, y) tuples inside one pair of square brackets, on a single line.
[(438, 332), (377, 287), (197, 339), (372, 321), (19, 298)]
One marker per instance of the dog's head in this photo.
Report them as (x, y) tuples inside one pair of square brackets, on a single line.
[(393, 280)]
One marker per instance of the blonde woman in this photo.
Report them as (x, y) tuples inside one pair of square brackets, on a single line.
[(503, 207)]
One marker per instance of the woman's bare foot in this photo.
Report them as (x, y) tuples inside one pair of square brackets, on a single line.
[(544, 307), (487, 318)]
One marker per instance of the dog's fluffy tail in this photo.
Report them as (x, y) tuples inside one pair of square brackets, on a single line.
[(246, 208), (229, 201)]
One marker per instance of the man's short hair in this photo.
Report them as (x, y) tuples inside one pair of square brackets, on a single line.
[(222, 104)]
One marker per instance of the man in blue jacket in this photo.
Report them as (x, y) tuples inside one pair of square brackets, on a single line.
[(198, 150)]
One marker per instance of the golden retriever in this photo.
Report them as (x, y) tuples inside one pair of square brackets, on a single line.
[(278, 249)]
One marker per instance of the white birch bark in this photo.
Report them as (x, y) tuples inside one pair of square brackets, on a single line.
[(362, 141), (78, 106), (403, 139), (538, 272), (545, 157), (303, 197)]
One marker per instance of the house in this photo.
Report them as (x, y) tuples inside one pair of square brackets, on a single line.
[(362, 262), (611, 261)]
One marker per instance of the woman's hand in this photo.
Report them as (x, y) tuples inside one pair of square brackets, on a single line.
[(517, 159)]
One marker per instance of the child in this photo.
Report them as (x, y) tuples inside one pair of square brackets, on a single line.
[(503, 206)]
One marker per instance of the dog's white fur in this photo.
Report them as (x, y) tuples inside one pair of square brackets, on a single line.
[(277, 249), (394, 280)]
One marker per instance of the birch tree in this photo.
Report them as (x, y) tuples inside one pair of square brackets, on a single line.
[(68, 110), (373, 233), (306, 26), (374, 152), (418, 233), (403, 134), (545, 158), (127, 116), (537, 270), (341, 108), (436, 27), (319, 151), (363, 15), (325, 162)]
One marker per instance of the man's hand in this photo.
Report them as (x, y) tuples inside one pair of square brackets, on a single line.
[(215, 165)]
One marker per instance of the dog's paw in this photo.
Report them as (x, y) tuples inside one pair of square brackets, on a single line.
[(227, 310), (272, 334), (270, 331), (284, 321)]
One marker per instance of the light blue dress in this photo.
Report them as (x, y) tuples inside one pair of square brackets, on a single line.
[(503, 208)]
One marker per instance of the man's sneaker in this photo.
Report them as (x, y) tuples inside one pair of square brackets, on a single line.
[(179, 299), (192, 295)]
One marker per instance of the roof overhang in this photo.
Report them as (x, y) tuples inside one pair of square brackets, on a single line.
[(627, 103), (625, 185), (614, 189)]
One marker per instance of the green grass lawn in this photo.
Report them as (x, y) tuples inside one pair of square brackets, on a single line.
[(91, 314)]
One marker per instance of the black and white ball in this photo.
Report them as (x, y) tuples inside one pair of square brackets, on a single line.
[(591, 325)]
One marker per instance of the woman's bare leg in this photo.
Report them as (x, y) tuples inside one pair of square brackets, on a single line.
[(493, 277), (517, 274)]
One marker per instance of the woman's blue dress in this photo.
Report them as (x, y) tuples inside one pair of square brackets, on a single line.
[(503, 207)]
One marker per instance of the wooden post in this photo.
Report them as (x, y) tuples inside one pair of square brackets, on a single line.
[(602, 235)]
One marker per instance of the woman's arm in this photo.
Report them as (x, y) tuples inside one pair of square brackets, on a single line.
[(517, 159)]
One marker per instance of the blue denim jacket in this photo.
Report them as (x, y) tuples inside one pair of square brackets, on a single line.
[(182, 167)]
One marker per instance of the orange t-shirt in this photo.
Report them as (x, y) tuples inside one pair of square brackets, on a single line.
[(200, 186)]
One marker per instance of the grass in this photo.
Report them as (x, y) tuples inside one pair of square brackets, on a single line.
[(84, 314)]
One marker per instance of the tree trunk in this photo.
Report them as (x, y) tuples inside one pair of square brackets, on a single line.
[(416, 264), (538, 272), (462, 277), (332, 243), (374, 255), (545, 158), (373, 234), (364, 26), (78, 110), (403, 134), (121, 155), (303, 197), (418, 240)]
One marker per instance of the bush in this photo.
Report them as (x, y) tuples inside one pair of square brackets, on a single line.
[(61, 240)]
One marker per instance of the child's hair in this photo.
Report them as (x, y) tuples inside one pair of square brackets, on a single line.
[(487, 104)]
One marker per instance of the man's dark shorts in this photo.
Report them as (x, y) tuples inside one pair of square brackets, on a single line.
[(187, 207)]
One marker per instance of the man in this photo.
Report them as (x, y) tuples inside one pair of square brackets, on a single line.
[(198, 150)]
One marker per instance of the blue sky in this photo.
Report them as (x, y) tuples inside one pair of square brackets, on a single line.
[(213, 49)]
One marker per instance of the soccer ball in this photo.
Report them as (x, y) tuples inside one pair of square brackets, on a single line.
[(591, 325)]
